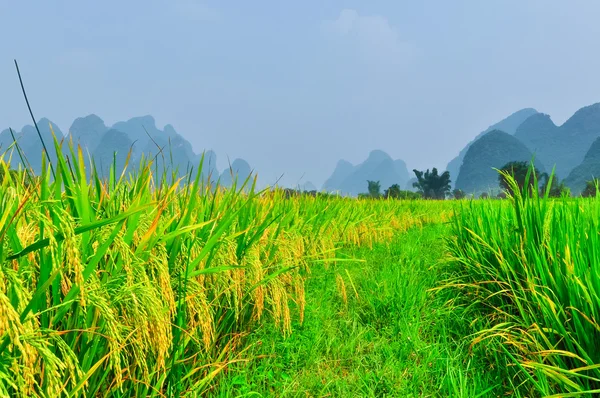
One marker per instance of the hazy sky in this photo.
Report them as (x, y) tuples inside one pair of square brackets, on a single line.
[(293, 86)]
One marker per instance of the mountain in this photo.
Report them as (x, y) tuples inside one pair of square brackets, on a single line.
[(6, 141), (538, 133), (169, 153), (30, 144), (113, 147), (587, 170), (306, 187), (508, 125), (342, 170), (492, 150), (402, 170), (348, 179), (563, 146), (409, 185), (239, 171), (209, 165), (142, 130), (168, 150), (87, 131)]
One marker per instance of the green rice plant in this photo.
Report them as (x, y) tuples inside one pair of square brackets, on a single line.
[(529, 281), (143, 284)]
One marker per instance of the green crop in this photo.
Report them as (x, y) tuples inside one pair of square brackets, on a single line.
[(530, 284), (133, 286)]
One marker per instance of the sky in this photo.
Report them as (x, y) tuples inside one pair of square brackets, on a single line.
[(295, 86)]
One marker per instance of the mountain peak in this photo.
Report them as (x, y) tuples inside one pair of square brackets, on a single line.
[(146, 120), (92, 118), (306, 187), (240, 164), (87, 131), (378, 155), (491, 151), (170, 130), (45, 122), (509, 125), (586, 120), (379, 166), (239, 171), (102, 142), (587, 170), (565, 146), (539, 120)]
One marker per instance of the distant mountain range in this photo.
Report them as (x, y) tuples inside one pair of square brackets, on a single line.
[(572, 149), (348, 179), (590, 167), (564, 146), (306, 187), (508, 125), (495, 148), (105, 145)]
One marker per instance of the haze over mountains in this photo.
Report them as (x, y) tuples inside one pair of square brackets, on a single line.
[(572, 148), (508, 125), (588, 168), (568, 148), (169, 150), (564, 145), (348, 179), (492, 150)]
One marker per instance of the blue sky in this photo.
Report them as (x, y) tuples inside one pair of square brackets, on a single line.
[(293, 87)]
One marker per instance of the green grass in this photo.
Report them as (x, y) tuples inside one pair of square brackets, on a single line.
[(381, 333)]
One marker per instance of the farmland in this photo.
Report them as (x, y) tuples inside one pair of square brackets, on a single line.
[(136, 286)]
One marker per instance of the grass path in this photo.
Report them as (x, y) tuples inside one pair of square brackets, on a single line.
[(371, 329)]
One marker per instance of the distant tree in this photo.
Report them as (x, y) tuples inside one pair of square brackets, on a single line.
[(293, 193), (289, 192), (501, 195), (484, 195), (432, 185), (458, 194), (519, 170), (591, 188), (374, 188), (394, 192), (557, 189)]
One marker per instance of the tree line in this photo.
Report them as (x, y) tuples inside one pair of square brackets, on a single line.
[(432, 185), (429, 185)]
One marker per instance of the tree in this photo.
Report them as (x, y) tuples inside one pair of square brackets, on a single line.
[(458, 194), (518, 171), (374, 188), (557, 190), (432, 185), (394, 192), (484, 195), (591, 188)]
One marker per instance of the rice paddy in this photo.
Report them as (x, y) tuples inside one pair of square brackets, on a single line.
[(136, 285)]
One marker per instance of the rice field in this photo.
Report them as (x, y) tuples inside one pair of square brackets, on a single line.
[(138, 286)]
